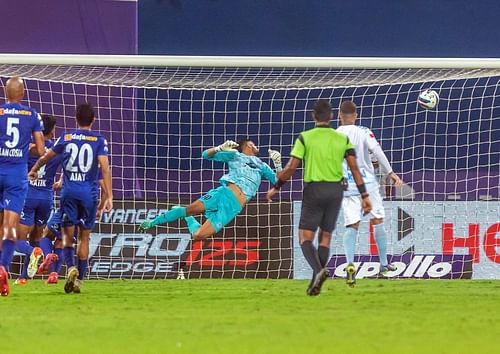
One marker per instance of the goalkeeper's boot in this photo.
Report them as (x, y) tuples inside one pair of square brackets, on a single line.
[(21, 281), (36, 254), (4, 282), (70, 280), (77, 286), (46, 265), (387, 268), (53, 278), (319, 279), (350, 272)]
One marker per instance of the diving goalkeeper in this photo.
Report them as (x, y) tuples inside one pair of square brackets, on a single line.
[(221, 205)]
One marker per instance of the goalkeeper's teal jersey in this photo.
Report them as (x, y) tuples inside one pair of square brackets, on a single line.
[(245, 171)]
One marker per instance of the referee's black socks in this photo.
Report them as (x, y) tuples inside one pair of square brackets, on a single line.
[(311, 255), (323, 254)]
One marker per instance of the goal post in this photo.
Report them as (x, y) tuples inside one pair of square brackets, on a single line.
[(159, 113)]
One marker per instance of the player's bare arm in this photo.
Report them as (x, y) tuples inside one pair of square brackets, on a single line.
[(284, 176), (49, 155), (39, 146), (107, 201)]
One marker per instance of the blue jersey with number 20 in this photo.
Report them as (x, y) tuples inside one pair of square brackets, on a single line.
[(80, 149)]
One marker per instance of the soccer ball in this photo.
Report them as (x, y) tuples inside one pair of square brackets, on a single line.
[(428, 99)]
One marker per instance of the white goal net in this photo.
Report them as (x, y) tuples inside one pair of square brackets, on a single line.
[(443, 223)]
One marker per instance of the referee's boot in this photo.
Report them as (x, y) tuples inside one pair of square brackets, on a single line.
[(319, 279), (350, 272)]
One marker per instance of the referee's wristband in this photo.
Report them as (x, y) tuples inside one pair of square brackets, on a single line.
[(362, 189), (279, 184), (364, 195)]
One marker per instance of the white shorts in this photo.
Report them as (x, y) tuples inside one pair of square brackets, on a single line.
[(351, 206)]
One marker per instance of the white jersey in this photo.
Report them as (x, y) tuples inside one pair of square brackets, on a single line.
[(365, 142)]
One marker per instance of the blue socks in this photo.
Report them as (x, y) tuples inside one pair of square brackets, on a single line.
[(24, 269), (69, 256), (381, 240), (169, 216), (56, 267), (192, 224), (350, 236), (46, 245), (82, 268), (8, 247), (24, 247)]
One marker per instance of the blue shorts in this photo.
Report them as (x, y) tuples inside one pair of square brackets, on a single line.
[(54, 223), (36, 211), (13, 191), (221, 206), (78, 210)]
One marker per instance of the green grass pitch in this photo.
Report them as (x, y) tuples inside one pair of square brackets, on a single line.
[(253, 316)]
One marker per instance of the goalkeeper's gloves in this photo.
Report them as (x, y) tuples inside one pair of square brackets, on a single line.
[(228, 145), (146, 225), (276, 157)]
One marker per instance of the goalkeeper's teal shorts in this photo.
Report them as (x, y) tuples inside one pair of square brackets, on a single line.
[(221, 206)]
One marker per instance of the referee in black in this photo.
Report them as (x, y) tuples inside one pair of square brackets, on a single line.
[(323, 150)]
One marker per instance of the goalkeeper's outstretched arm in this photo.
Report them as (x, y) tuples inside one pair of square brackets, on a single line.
[(223, 153)]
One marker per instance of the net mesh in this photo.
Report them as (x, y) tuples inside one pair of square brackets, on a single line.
[(159, 120)]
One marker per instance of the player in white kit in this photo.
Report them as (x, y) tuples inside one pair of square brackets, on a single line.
[(365, 143)]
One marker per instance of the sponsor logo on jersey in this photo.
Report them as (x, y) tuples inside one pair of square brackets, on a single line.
[(69, 137), (13, 111)]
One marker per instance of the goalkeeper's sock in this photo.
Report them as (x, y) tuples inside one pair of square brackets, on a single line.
[(8, 247), (381, 240), (323, 254), (69, 256), (82, 268), (350, 236), (24, 247), (311, 255), (56, 267), (46, 245), (192, 224), (169, 216)]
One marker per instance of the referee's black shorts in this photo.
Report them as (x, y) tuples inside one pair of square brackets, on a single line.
[(321, 202)]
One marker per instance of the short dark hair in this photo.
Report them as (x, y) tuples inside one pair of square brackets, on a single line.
[(49, 122), (322, 110), (84, 114), (242, 143), (348, 107)]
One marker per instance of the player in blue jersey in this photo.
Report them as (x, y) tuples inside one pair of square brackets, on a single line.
[(19, 126), (238, 186), (37, 206), (84, 152), (52, 232)]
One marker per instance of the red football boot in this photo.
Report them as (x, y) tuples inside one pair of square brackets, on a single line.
[(4, 282), (46, 265), (52, 279)]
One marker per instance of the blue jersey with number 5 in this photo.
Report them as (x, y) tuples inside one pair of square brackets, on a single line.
[(80, 149), (17, 124)]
